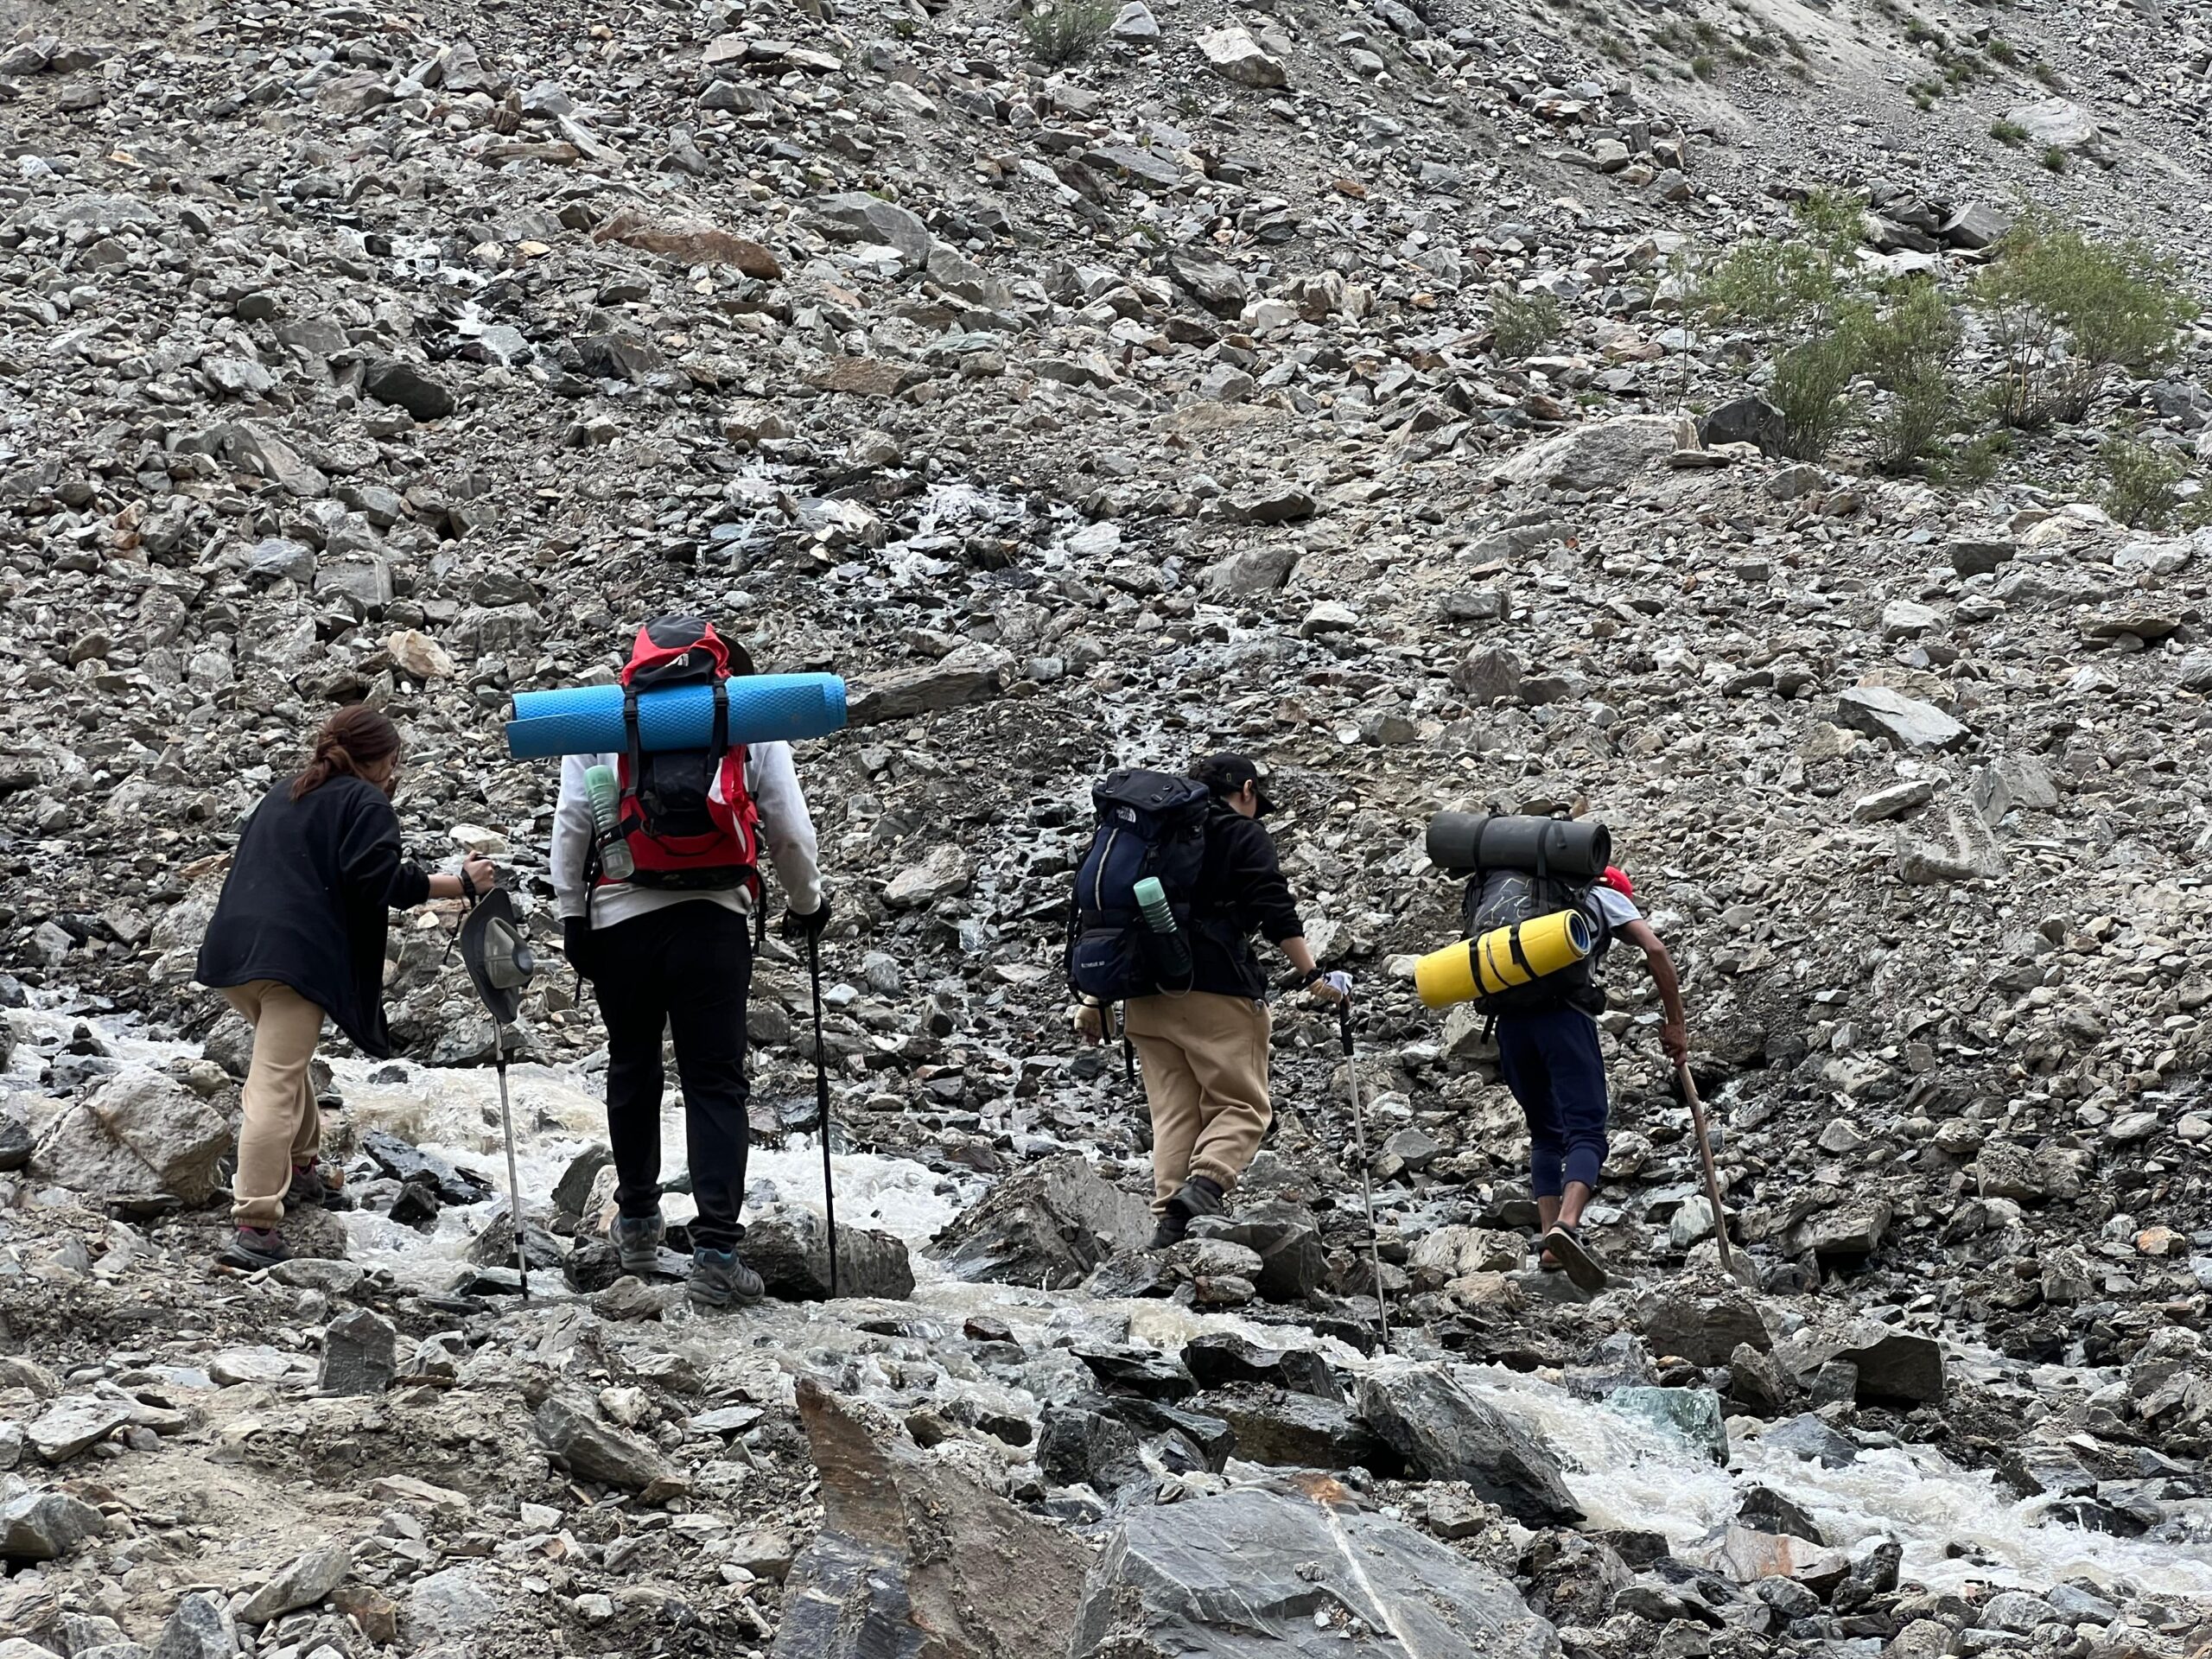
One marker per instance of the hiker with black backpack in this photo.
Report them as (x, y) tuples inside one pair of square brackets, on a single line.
[(1180, 875), (657, 869), (1542, 907)]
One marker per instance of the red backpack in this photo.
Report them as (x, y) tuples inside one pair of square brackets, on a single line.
[(686, 815)]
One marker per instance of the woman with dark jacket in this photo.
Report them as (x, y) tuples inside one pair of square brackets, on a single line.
[(298, 936)]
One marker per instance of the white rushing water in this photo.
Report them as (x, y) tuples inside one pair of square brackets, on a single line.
[(1958, 1528)]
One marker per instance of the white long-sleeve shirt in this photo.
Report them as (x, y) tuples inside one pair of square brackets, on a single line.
[(786, 835)]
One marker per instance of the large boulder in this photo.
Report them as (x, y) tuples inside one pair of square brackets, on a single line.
[(790, 1250), (1905, 722), (137, 1135), (1047, 1227), (46, 1527), (1704, 1326), (1300, 1431), (1256, 1573), (1294, 1262), (2055, 124), (1446, 1433), (914, 1557), (971, 673), (1232, 53), (1597, 455), (1746, 420)]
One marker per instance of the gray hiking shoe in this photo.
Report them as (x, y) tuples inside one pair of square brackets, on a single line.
[(636, 1241), (253, 1249), (720, 1280), (312, 1190)]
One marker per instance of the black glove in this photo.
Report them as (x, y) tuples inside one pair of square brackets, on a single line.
[(576, 944), (806, 925)]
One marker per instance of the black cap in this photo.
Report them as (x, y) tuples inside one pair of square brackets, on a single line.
[(1224, 774)]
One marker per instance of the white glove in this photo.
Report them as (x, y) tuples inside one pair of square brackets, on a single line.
[(1337, 982)]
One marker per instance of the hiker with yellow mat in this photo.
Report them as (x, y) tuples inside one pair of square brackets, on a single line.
[(1542, 906)]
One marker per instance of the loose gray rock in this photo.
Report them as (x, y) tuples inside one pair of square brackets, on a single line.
[(913, 1554), (1446, 1433), (307, 1581), (969, 674), (47, 1527), (394, 380), (597, 1452), (1047, 1226), (1597, 455), (200, 1627), (358, 1353), (1244, 1575)]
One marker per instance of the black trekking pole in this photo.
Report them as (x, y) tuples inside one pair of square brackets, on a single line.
[(822, 1106), (1366, 1185)]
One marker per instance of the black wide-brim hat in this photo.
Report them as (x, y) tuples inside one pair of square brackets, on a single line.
[(497, 953)]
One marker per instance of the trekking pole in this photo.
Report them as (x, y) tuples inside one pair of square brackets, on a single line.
[(1728, 1264), (514, 1181), (524, 966), (822, 1106), (1366, 1185)]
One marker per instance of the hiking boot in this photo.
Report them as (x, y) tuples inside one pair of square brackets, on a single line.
[(1174, 1224), (310, 1190), (253, 1249), (1202, 1195), (720, 1280), (636, 1241)]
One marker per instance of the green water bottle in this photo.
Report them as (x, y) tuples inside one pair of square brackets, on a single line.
[(1171, 952), (606, 797)]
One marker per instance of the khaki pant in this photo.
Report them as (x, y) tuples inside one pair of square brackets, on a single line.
[(1205, 1077), (282, 1129)]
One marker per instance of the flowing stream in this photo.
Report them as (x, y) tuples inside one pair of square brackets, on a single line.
[(1958, 1528)]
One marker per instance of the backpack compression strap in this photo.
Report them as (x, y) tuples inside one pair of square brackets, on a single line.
[(632, 741)]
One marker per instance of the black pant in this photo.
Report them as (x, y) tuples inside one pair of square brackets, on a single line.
[(687, 969)]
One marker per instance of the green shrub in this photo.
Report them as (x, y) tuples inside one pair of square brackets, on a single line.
[(1064, 33), (1791, 283), (1524, 324), (2003, 50), (2064, 313), (2008, 133), (1910, 350), (1812, 386), (1972, 462), (2054, 159), (2144, 481)]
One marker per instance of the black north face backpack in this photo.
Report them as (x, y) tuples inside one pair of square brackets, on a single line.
[(1150, 824)]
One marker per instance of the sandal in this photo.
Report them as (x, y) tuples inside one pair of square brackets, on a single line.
[(1566, 1242)]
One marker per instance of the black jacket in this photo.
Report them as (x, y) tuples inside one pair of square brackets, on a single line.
[(1240, 891), (308, 900)]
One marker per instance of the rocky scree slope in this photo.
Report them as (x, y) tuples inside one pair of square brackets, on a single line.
[(1105, 413)]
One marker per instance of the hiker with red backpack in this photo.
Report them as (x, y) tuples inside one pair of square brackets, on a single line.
[(657, 910), (1180, 875)]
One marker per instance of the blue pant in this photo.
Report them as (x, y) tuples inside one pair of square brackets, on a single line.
[(1552, 1064)]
